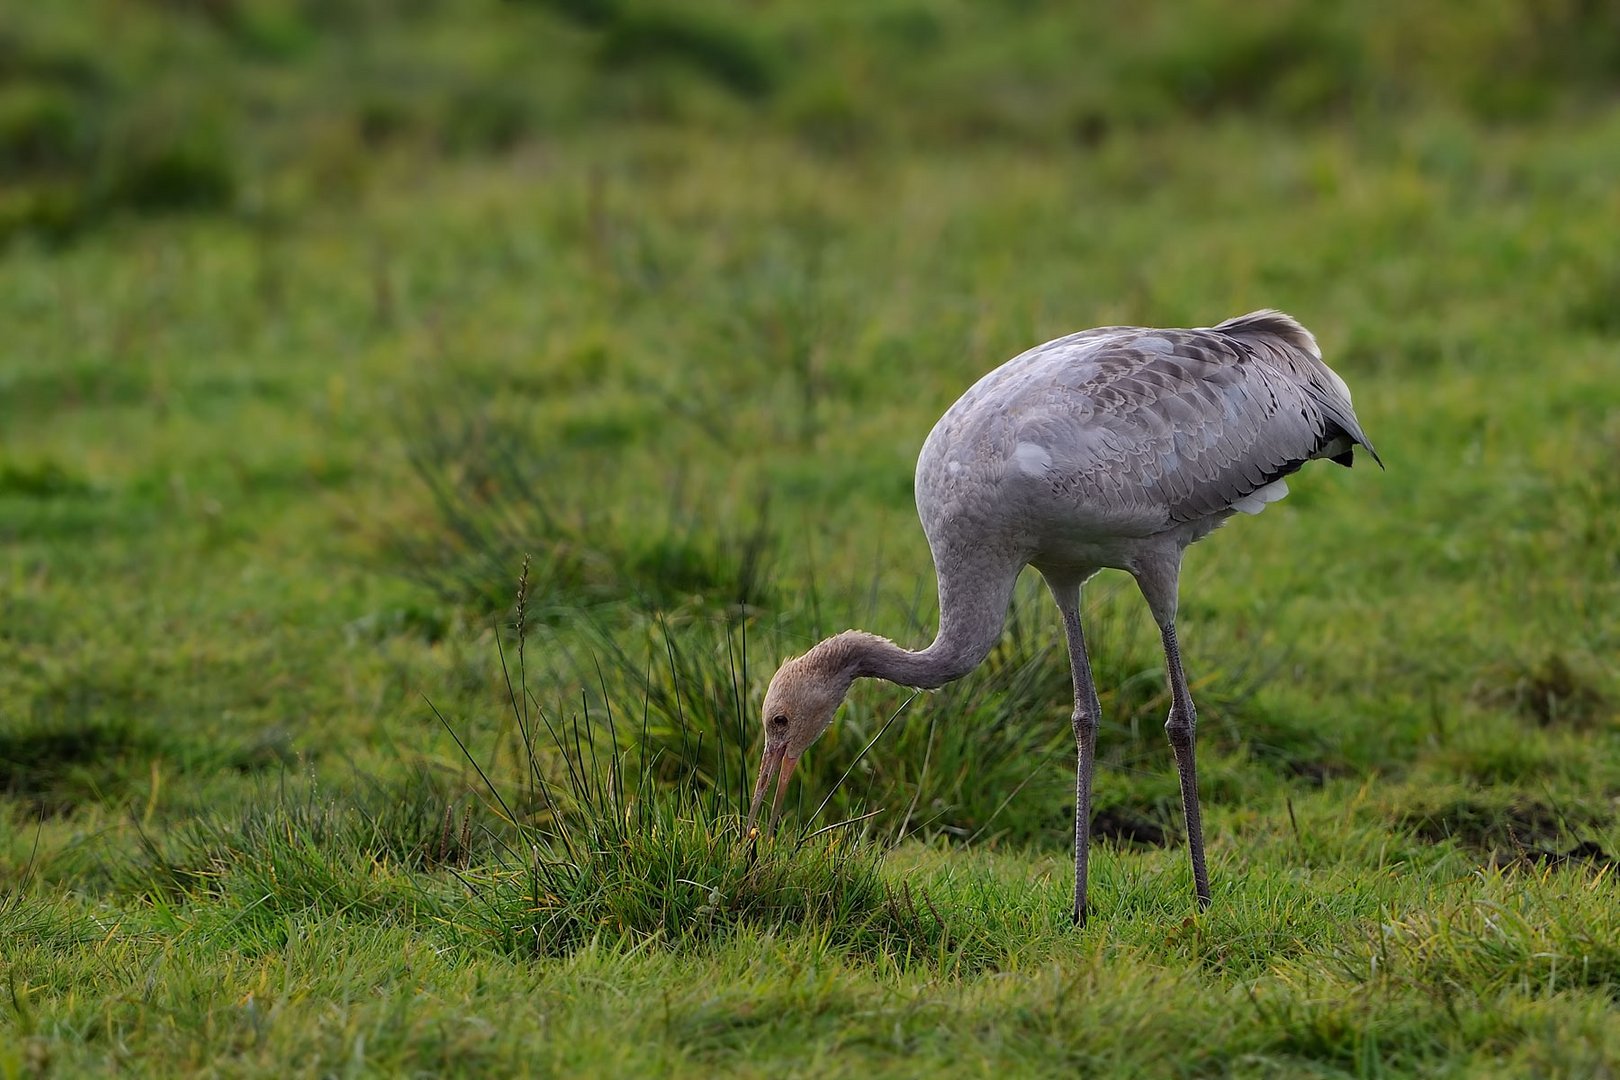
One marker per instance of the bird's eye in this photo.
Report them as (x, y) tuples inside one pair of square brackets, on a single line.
[(779, 721)]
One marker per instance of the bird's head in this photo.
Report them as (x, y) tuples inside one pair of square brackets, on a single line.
[(804, 694)]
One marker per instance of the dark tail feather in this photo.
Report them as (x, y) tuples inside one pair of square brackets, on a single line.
[(1334, 430)]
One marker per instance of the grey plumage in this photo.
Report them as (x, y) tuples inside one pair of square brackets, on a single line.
[(1131, 431), (1114, 447)]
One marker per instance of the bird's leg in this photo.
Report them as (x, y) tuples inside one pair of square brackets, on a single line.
[(1087, 713), (1158, 576), (1180, 727)]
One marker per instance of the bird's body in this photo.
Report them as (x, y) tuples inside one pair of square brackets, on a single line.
[(1089, 449), (1114, 447)]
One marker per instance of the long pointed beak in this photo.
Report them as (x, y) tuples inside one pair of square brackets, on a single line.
[(772, 764), (768, 766), (788, 765)]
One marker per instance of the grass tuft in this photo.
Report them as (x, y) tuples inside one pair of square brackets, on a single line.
[(614, 841), (497, 497), (1502, 823), (59, 763), (1552, 692)]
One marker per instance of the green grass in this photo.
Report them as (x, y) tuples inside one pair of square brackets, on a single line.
[(303, 357)]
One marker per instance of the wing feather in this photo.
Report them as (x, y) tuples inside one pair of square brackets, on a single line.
[(1177, 425)]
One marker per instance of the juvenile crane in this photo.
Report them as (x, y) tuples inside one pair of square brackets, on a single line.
[(1115, 447)]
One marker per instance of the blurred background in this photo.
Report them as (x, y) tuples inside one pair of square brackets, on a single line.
[(258, 108), (321, 315)]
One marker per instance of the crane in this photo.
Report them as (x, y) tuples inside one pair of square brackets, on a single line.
[(1115, 447)]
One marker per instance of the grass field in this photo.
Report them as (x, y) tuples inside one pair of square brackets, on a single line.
[(321, 319)]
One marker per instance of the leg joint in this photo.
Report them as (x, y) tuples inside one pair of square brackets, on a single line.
[(1180, 727)]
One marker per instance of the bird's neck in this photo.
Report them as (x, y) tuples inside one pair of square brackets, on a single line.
[(972, 609)]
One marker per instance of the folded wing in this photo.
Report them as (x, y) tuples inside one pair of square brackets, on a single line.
[(1168, 426)]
